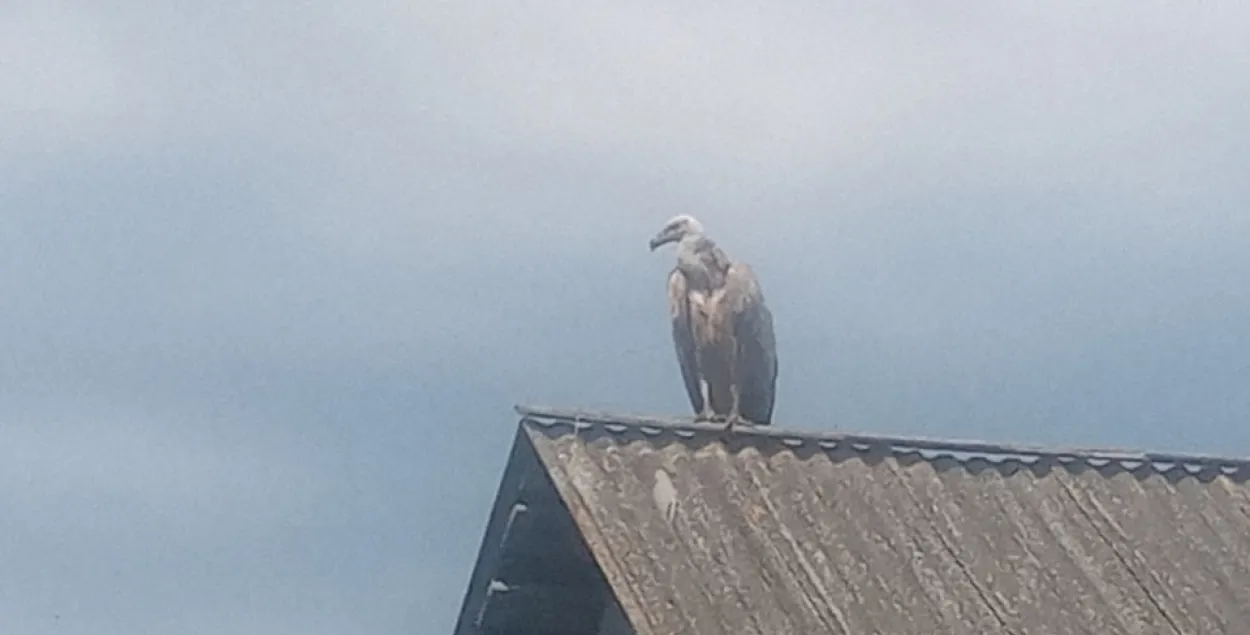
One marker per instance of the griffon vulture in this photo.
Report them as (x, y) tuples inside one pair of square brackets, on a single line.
[(722, 330)]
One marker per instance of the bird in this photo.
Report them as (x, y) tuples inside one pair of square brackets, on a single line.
[(722, 329)]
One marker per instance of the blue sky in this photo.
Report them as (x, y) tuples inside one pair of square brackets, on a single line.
[(274, 275)]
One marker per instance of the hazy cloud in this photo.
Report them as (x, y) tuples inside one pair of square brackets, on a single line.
[(272, 276)]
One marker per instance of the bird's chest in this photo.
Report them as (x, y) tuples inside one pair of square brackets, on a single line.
[(706, 319)]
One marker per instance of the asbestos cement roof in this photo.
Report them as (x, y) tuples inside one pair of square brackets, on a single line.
[(777, 532)]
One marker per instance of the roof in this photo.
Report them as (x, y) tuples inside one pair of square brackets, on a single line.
[(774, 531)]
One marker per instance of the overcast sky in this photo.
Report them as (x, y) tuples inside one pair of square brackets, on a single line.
[(274, 274)]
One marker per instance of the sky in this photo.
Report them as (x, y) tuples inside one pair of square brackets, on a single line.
[(273, 275)]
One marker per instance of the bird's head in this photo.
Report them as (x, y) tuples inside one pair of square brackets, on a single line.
[(677, 228)]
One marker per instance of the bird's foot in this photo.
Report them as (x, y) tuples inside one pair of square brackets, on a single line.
[(707, 416), (735, 420)]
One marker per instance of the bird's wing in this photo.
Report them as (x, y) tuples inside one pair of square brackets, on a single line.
[(683, 337), (756, 344)]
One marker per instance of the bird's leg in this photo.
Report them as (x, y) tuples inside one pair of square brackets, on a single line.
[(706, 414), (734, 417)]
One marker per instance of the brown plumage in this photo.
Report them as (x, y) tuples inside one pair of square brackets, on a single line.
[(722, 330)]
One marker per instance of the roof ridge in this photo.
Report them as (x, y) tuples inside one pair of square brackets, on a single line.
[(548, 416)]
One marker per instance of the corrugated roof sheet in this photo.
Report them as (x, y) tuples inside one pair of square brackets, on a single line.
[(774, 532)]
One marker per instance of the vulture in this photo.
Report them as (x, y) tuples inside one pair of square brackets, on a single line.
[(722, 330)]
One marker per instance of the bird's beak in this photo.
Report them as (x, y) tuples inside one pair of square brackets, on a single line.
[(661, 238)]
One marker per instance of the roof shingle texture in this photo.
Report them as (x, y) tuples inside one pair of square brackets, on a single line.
[(698, 533)]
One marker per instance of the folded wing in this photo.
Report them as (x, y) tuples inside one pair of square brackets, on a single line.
[(756, 355), (683, 336)]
